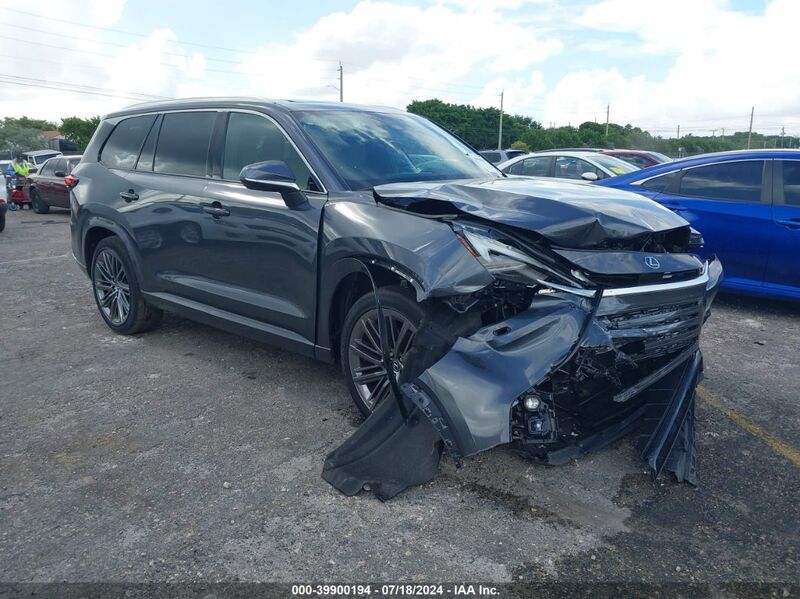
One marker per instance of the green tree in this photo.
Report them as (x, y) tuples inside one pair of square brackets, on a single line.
[(79, 130)]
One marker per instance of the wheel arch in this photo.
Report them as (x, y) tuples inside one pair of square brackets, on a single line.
[(98, 228)]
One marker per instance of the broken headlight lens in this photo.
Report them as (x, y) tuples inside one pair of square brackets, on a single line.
[(501, 259)]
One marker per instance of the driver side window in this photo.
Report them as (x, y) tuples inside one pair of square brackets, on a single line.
[(252, 138)]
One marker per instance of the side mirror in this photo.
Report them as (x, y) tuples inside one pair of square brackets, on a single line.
[(589, 176), (32, 170), (60, 174), (274, 175)]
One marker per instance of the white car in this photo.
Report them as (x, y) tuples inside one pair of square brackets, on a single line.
[(572, 165)]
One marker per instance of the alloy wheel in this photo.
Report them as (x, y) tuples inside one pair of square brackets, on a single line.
[(111, 287), (366, 358)]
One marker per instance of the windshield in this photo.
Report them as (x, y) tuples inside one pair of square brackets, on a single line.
[(615, 165), (372, 148)]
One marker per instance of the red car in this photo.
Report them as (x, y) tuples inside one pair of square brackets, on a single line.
[(50, 186), (640, 158)]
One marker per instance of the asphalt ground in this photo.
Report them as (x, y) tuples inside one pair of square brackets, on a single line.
[(189, 454)]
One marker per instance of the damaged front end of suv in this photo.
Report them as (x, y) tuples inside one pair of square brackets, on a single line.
[(584, 327)]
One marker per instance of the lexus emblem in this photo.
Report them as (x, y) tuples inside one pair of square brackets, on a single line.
[(652, 262)]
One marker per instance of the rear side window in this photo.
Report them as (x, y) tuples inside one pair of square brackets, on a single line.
[(122, 147), (183, 143), (791, 182), (568, 167), (734, 181), (251, 138), (71, 164)]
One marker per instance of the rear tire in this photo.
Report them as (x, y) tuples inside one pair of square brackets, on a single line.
[(116, 290), (39, 207), (2, 221)]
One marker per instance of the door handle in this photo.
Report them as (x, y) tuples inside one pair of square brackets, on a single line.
[(129, 196), (216, 209), (792, 223)]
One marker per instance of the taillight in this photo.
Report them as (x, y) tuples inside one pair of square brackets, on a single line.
[(70, 181)]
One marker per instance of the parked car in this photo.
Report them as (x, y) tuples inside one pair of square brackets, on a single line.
[(50, 186), (562, 164), (3, 210), (498, 156), (746, 204), (467, 309), (38, 157), (640, 158)]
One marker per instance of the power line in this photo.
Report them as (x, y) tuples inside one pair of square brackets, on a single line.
[(67, 89), (78, 85)]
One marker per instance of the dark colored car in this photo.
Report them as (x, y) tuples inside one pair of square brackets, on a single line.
[(49, 187), (3, 210), (640, 158), (468, 309), (746, 204)]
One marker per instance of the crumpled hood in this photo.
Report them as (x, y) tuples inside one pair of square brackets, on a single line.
[(572, 215)]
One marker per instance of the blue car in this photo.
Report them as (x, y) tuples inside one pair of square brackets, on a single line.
[(746, 204)]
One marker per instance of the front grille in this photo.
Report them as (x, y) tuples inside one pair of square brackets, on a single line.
[(655, 331)]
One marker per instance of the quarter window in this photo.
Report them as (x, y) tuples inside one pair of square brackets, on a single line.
[(734, 181), (658, 183), (791, 182), (251, 138), (183, 143), (122, 147)]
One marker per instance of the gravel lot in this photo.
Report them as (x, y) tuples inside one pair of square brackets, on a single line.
[(115, 453)]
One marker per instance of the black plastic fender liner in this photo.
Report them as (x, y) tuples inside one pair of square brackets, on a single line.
[(386, 454), (667, 439)]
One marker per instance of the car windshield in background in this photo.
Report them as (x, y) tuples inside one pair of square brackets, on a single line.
[(615, 165), (372, 148), (660, 157)]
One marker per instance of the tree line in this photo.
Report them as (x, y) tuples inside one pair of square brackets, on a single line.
[(479, 128), (24, 134)]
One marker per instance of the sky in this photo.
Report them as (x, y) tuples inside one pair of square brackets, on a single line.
[(697, 64)]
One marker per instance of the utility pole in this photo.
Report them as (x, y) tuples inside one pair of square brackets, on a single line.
[(608, 112), (679, 132), (500, 130), (783, 132), (750, 131), (723, 133), (341, 82)]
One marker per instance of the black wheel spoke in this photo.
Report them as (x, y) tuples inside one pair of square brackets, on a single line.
[(367, 368)]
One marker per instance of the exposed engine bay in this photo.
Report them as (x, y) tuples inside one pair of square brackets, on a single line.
[(589, 330)]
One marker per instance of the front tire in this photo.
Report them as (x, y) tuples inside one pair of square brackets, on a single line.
[(116, 290), (360, 349), (39, 207)]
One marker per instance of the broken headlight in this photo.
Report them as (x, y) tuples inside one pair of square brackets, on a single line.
[(503, 260)]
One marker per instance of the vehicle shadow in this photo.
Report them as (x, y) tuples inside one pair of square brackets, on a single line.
[(770, 306)]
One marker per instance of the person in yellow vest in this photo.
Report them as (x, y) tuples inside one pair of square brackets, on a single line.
[(21, 170), (20, 166)]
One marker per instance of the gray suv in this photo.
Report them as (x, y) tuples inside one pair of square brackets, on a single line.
[(467, 309)]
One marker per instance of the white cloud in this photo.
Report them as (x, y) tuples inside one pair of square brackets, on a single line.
[(725, 62), (394, 53)]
